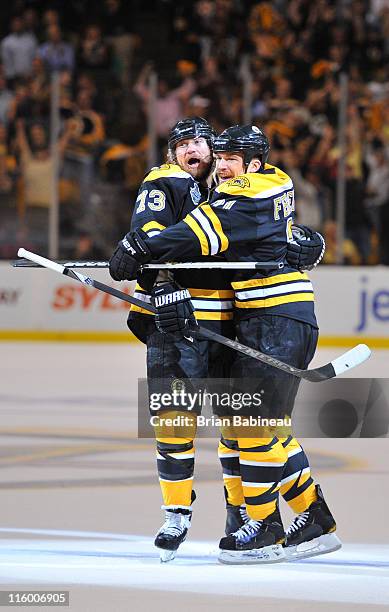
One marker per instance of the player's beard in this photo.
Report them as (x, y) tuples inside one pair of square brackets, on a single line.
[(203, 170)]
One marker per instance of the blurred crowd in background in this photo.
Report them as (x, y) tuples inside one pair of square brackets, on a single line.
[(202, 51)]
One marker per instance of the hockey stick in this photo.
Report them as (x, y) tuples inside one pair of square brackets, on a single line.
[(345, 362), (206, 265)]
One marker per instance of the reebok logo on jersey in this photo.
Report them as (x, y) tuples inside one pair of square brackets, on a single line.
[(171, 298)]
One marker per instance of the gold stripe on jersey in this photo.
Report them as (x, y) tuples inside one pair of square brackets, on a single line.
[(166, 171), (268, 302), (216, 305), (213, 316), (271, 280), (153, 225), (200, 315), (208, 229), (207, 210), (213, 308), (218, 294), (196, 229), (257, 185), (273, 291), (213, 304)]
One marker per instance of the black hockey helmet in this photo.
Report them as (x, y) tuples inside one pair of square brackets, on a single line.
[(246, 139), (191, 127)]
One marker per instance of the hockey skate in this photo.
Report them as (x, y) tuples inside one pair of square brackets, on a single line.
[(255, 542), (173, 532), (236, 517), (312, 532)]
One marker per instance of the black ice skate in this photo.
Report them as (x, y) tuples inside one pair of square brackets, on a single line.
[(312, 532), (236, 517), (255, 542)]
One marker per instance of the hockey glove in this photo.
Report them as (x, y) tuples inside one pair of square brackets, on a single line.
[(307, 248), (174, 310), (128, 256)]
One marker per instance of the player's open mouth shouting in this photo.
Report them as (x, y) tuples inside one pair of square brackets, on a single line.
[(194, 162)]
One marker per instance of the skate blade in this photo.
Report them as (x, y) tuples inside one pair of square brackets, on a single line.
[(166, 555), (318, 546), (268, 554)]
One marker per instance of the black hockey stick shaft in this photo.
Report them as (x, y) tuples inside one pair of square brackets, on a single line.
[(86, 280), (231, 265), (202, 331), (347, 361)]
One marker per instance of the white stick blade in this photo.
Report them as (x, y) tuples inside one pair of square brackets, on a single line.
[(351, 359), (21, 252), (42, 261)]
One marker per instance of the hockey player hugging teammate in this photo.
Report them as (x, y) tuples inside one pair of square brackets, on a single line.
[(249, 218)]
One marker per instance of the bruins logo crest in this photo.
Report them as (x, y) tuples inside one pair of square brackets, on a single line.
[(239, 181), (178, 385)]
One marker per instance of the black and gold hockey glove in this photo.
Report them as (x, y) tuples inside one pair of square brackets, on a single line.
[(307, 249)]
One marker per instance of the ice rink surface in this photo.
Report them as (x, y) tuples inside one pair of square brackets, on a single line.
[(80, 501)]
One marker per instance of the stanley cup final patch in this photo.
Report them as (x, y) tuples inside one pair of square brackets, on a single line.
[(195, 194)]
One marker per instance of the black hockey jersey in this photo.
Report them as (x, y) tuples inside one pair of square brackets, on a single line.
[(249, 218), (166, 196)]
